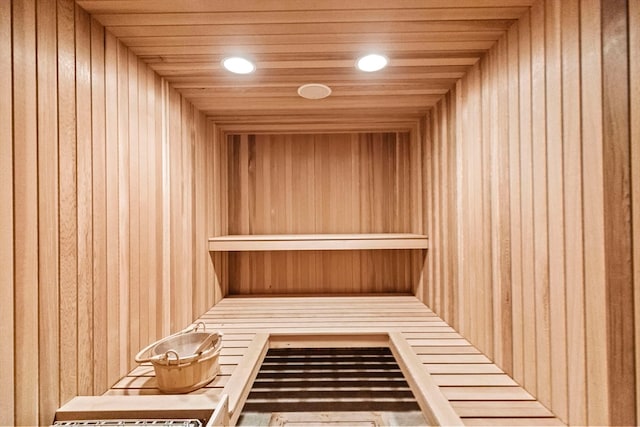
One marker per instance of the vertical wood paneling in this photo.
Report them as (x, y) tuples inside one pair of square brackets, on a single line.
[(99, 208), (564, 181), (319, 183), (217, 206), (332, 183), (517, 335), (199, 300), (555, 185), (25, 205), (486, 329), (158, 191), (634, 80), (617, 213), (573, 216), (153, 222), (7, 333), (451, 198), (476, 230), (143, 190), (112, 209), (134, 205), (48, 254), (594, 230), (526, 191), (186, 209), (85, 201), (68, 201), (461, 203), (540, 193), (436, 254), (81, 167), (502, 242), (166, 211), (176, 266), (123, 203)]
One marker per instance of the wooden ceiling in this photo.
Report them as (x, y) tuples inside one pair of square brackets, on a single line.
[(430, 43)]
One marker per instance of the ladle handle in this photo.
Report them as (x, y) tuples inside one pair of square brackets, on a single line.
[(206, 343)]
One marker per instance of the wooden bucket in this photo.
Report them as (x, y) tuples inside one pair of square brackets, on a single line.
[(184, 361)]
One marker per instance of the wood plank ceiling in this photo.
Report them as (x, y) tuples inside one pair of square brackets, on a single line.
[(430, 44)]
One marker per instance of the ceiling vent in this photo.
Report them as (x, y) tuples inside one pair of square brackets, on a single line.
[(314, 91)]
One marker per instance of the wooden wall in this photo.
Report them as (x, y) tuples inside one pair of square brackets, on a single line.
[(102, 165), (324, 183), (532, 166)]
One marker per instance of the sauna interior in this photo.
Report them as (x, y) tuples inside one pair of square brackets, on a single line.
[(473, 209)]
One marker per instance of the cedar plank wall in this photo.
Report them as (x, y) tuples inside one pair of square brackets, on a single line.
[(103, 172), (323, 183), (528, 162)]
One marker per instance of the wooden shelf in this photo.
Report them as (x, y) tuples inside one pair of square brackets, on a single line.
[(317, 242)]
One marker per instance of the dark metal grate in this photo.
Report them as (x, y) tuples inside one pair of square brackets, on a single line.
[(307, 380)]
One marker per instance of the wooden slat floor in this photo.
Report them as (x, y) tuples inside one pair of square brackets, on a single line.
[(479, 391)]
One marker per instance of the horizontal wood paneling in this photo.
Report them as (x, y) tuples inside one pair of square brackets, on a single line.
[(430, 44), (477, 389), (83, 172), (543, 219), (323, 184)]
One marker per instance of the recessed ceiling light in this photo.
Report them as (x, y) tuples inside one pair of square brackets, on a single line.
[(238, 65), (314, 91), (372, 62)]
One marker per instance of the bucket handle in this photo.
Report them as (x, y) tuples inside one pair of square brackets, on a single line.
[(170, 360), (140, 357)]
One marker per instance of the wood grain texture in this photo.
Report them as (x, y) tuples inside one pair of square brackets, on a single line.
[(597, 363), (251, 324), (133, 202), (99, 207), (326, 184), (68, 201), (517, 338), (144, 203), (634, 93), (573, 173), (424, 386), (25, 210), (526, 171), (85, 201), (556, 225), (319, 184), (112, 209), (569, 185), (141, 407), (295, 43), (516, 131), (83, 171), (540, 203), (122, 80), (280, 242), (49, 334), (7, 333), (617, 203)]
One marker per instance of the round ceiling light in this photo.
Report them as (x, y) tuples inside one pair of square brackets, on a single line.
[(314, 91), (238, 65), (372, 62)]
